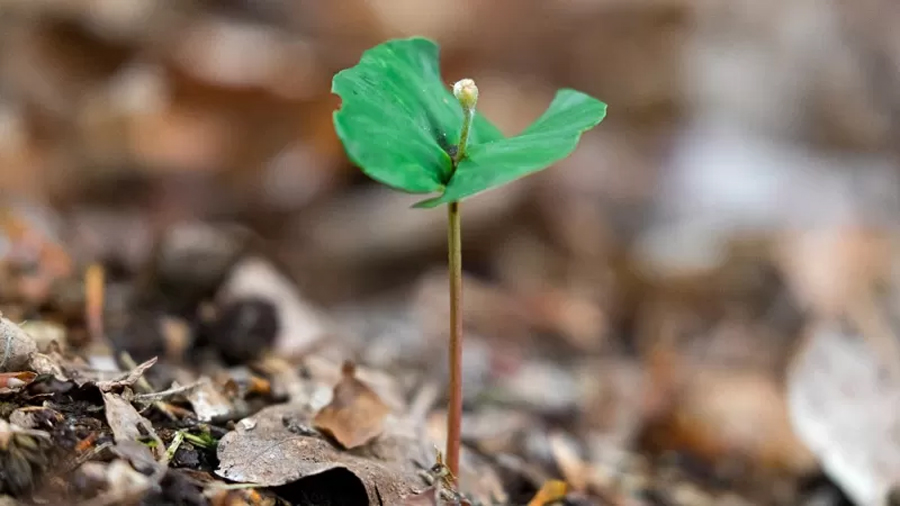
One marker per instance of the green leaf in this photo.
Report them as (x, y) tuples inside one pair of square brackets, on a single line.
[(549, 139), (398, 121)]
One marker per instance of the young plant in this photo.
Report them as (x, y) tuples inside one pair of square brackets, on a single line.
[(403, 127)]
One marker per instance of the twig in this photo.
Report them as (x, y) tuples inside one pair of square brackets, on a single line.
[(143, 385), (164, 394)]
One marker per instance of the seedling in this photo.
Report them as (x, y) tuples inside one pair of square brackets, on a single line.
[(404, 128)]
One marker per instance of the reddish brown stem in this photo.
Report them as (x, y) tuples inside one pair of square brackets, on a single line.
[(454, 408)]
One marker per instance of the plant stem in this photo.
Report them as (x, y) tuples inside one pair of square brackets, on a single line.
[(467, 93), (463, 136), (454, 409)]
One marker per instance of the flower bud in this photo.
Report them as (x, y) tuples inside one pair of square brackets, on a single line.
[(466, 92)]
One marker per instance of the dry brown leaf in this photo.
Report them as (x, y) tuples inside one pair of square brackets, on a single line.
[(122, 418), (551, 491), (126, 423), (47, 364), (355, 414), (275, 447)]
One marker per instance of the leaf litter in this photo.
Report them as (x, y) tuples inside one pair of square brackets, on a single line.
[(355, 414), (552, 419)]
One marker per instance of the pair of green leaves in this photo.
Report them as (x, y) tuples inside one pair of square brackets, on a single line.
[(400, 124)]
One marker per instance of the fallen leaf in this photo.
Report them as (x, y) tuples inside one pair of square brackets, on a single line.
[(122, 418), (126, 423), (46, 364), (355, 415), (843, 405), (551, 491), (326, 365), (15, 381), (208, 402), (275, 447)]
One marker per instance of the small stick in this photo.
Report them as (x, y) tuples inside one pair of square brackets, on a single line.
[(144, 386), (94, 280)]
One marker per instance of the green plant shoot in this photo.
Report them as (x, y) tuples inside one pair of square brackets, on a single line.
[(404, 128)]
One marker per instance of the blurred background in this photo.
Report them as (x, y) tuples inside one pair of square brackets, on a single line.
[(649, 295)]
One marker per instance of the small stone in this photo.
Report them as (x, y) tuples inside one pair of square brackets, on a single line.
[(18, 347)]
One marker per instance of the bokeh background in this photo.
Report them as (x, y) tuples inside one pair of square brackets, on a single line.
[(743, 189)]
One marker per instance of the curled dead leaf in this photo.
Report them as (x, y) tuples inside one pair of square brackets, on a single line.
[(14, 381), (47, 364), (355, 414)]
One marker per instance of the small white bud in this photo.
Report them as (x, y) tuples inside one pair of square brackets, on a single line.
[(466, 92)]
